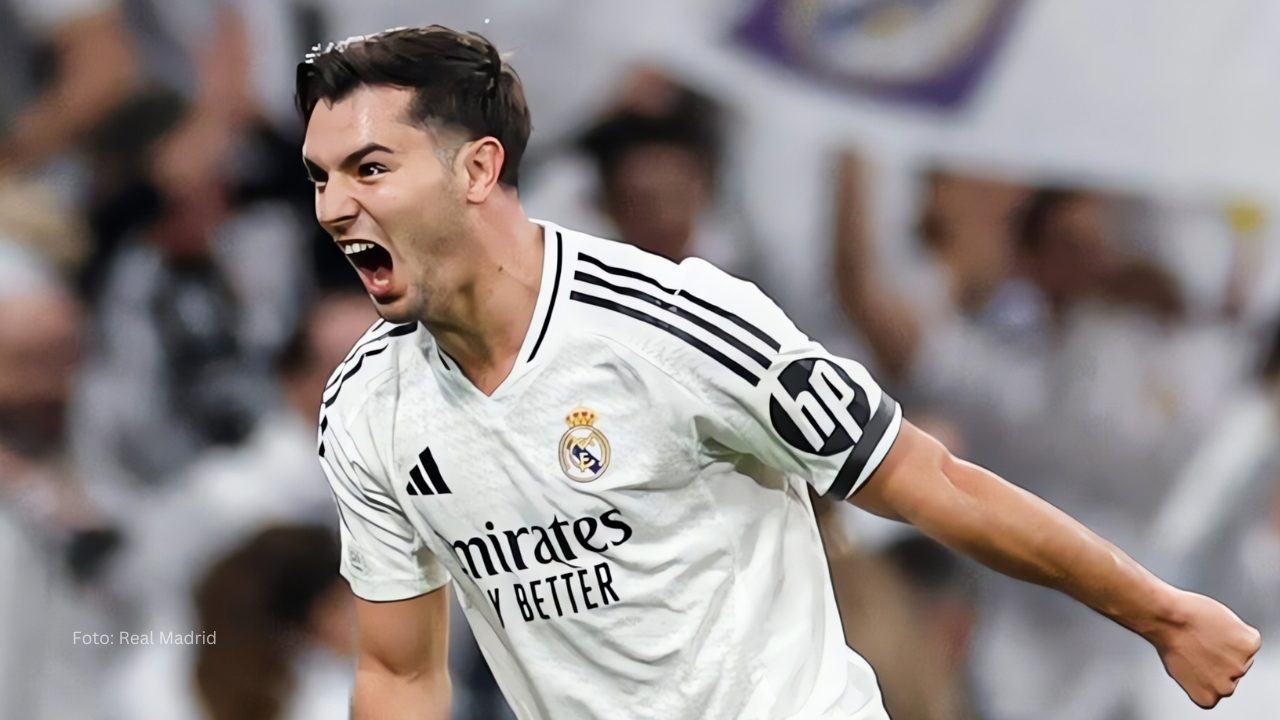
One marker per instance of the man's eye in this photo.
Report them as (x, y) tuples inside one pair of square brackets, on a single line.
[(372, 169)]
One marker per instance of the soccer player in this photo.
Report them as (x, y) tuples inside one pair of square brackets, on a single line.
[(606, 452)]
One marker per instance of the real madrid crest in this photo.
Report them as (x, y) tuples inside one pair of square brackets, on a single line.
[(584, 450)]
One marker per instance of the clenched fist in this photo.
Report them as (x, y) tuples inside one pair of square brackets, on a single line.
[(1206, 648)]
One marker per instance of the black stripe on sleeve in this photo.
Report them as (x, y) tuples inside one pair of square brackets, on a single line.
[(742, 347), (368, 519), (342, 517), (375, 499), (872, 434), (730, 316), (377, 327), (555, 290), (706, 349), (397, 331), (382, 505), (333, 398)]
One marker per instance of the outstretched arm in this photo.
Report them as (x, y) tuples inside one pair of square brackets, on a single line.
[(1203, 645), (402, 663)]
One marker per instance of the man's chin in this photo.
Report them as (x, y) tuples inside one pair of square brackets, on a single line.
[(399, 310)]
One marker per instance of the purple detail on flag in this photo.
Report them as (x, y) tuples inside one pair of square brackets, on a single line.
[(762, 32)]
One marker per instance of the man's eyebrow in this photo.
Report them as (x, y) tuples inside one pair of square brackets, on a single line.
[(314, 172), (353, 158)]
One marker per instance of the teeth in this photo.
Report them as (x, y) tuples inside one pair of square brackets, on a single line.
[(356, 247)]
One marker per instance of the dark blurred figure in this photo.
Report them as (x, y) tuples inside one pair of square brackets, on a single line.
[(1067, 255), (964, 227), (910, 605), (207, 118), (1084, 353), (270, 637), (52, 541), (190, 310), (228, 494), (941, 610), (657, 170), (285, 628)]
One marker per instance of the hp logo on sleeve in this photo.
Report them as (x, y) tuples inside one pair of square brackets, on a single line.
[(819, 408)]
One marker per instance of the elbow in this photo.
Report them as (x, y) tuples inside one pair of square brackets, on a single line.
[(428, 684), (379, 688), (402, 672), (936, 500)]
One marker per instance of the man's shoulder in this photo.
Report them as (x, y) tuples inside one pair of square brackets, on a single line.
[(613, 290), (601, 263), (370, 365), (688, 318)]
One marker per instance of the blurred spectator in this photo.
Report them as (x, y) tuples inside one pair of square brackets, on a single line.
[(67, 63), (192, 310), (200, 125), (230, 493), (648, 173), (285, 627), (276, 626), (1077, 379), (1078, 337), (657, 172), (908, 606), (965, 228), (231, 62), (941, 605), (51, 539)]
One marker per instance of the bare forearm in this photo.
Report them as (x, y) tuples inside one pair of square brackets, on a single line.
[(381, 695), (1020, 535), (1203, 645)]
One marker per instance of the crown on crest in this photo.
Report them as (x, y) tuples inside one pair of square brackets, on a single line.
[(580, 416)]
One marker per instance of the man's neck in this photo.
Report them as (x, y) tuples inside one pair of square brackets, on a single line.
[(486, 320)]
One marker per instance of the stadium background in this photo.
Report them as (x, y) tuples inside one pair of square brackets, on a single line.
[(1048, 226)]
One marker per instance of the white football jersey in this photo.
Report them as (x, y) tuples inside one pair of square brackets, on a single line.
[(625, 518)]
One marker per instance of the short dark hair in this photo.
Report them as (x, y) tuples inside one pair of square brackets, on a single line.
[(459, 81)]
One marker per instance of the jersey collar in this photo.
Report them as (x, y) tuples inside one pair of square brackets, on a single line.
[(538, 335)]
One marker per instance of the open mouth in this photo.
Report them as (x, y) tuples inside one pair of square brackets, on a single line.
[(373, 263)]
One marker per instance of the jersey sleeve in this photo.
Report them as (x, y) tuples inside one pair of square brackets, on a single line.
[(383, 556), (774, 393)]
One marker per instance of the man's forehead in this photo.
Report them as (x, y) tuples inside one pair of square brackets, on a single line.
[(367, 114)]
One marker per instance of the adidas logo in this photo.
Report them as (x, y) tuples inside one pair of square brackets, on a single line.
[(433, 484)]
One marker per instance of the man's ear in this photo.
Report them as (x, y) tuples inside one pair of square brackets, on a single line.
[(483, 161)]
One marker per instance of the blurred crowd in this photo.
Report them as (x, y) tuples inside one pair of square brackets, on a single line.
[(170, 313)]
